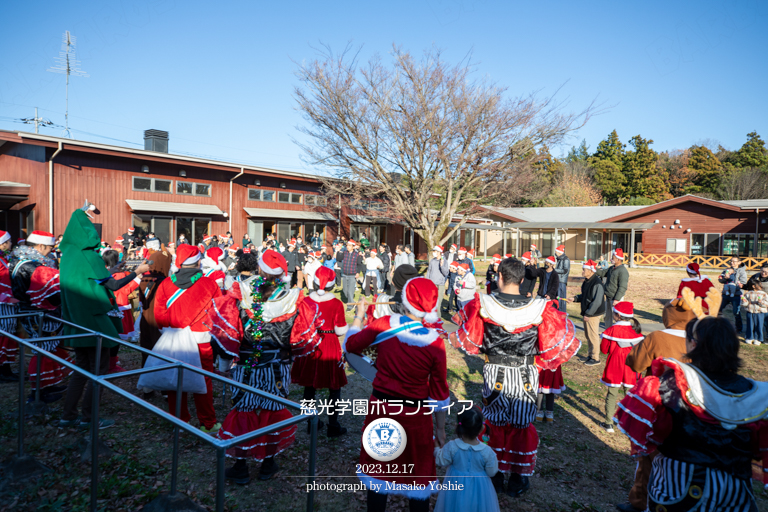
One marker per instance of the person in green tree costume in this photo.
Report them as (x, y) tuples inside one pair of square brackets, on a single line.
[(87, 300)]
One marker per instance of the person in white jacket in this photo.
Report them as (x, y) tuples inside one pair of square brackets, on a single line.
[(310, 267), (465, 285), (372, 276)]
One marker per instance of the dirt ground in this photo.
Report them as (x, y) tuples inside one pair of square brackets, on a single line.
[(579, 467)]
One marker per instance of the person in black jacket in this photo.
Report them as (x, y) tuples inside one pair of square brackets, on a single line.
[(386, 260), (592, 309), (563, 268), (490, 275), (549, 282), (292, 260), (529, 283)]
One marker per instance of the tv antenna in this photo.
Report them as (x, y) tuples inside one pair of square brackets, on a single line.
[(67, 64)]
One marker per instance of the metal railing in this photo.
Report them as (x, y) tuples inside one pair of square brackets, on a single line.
[(104, 380)]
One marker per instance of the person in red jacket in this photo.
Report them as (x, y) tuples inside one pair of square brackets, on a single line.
[(698, 284), (617, 342), (213, 265), (181, 303), (324, 369), (8, 306), (412, 373)]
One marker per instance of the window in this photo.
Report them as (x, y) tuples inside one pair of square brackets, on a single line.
[(288, 197), (705, 244), (184, 187), (152, 185), (268, 195), (316, 200), (762, 246), (254, 194), (310, 230), (163, 186), (737, 245), (196, 189), (676, 245), (378, 206)]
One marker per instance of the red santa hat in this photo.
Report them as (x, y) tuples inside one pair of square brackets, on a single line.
[(438, 248), (691, 268), (497, 257), (171, 245), (325, 279), (453, 264), (619, 253), (624, 309), (233, 248), (350, 241), (533, 247), (118, 240), (4, 236), (215, 254), (465, 266), (589, 265), (21, 241), (420, 299), (206, 238), (508, 255), (471, 253), (131, 230), (453, 246), (274, 264), (462, 250), (526, 256), (41, 238), (292, 241), (560, 249), (551, 259), (187, 255)]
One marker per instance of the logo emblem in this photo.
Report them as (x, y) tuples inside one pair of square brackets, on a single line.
[(384, 439)]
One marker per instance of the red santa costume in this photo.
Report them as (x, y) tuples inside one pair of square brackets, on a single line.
[(617, 342), (8, 306), (699, 285), (262, 324), (35, 285), (516, 334), (412, 370), (213, 265), (181, 305), (124, 303)]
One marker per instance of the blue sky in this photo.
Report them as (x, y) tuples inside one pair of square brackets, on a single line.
[(219, 76)]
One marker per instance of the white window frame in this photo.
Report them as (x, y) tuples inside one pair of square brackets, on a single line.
[(290, 197), (194, 188), (677, 250), (310, 200), (172, 189)]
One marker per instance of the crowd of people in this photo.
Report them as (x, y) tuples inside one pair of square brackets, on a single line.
[(266, 316)]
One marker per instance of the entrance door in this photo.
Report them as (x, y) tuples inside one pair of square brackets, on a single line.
[(256, 231), (620, 241), (161, 227)]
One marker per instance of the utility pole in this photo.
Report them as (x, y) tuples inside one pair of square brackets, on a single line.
[(37, 121)]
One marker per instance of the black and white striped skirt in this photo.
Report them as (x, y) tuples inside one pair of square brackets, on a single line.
[(513, 406), (681, 486), (264, 379)]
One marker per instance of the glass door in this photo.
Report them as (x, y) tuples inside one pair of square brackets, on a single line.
[(184, 227), (283, 233), (161, 227), (620, 241), (200, 227), (594, 245)]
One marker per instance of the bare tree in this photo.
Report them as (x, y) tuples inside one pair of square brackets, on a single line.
[(742, 184), (423, 134)]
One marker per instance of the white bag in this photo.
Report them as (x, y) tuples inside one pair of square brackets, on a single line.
[(178, 344)]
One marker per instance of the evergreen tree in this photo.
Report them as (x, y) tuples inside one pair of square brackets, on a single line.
[(706, 169), (752, 153), (644, 178), (607, 163), (548, 166), (578, 154)]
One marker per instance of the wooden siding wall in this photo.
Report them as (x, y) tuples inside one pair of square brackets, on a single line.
[(700, 219)]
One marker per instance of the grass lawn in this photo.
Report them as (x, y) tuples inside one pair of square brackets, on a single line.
[(579, 467)]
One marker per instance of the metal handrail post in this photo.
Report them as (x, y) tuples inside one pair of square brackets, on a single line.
[(220, 485), (175, 464), (21, 401), (95, 429), (40, 318), (312, 454)]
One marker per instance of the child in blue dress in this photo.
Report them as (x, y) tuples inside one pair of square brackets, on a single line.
[(467, 484)]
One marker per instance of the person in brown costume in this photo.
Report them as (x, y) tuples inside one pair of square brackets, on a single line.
[(668, 342)]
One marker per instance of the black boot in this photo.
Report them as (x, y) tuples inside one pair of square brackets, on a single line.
[(517, 485), (268, 468), (498, 482), (6, 375), (334, 427), (238, 473)]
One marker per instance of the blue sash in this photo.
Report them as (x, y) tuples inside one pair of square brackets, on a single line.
[(391, 333), (18, 266), (173, 297)]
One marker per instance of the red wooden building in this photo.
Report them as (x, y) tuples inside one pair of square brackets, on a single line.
[(43, 179)]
